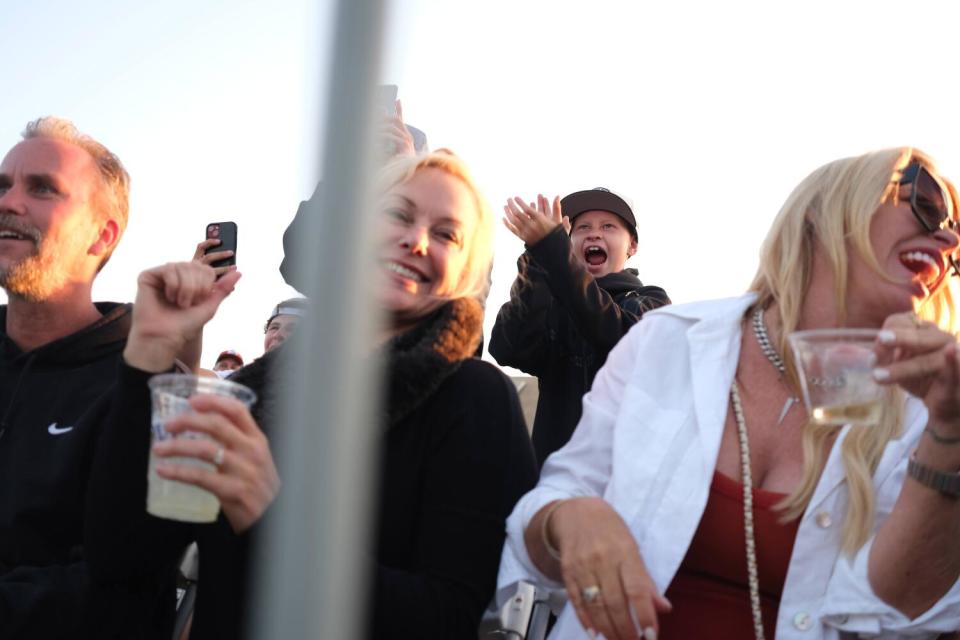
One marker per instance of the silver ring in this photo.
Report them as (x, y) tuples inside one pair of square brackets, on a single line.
[(591, 593), (218, 457)]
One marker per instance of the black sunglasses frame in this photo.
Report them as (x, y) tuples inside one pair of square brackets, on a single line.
[(911, 175)]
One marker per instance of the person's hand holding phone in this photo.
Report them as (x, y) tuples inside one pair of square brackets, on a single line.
[(224, 236), (399, 142), (201, 255)]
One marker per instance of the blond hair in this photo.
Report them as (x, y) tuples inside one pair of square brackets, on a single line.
[(113, 198), (474, 279), (834, 205)]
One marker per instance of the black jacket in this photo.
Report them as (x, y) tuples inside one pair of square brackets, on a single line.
[(50, 410), (455, 459), (127, 547), (559, 326)]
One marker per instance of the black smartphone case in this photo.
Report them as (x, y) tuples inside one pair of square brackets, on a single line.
[(227, 233)]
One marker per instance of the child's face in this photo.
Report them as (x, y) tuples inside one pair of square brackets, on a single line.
[(602, 242)]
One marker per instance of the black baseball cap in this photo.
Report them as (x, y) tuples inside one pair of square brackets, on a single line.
[(599, 199)]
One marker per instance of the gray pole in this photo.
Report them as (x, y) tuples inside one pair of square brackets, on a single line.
[(314, 559)]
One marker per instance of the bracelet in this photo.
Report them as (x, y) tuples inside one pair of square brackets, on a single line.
[(946, 483), (939, 439), (552, 550)]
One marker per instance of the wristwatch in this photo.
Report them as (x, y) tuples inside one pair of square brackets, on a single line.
[(946, 483)]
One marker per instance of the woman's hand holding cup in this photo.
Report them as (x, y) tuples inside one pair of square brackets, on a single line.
[(245, 479), (924, 361)]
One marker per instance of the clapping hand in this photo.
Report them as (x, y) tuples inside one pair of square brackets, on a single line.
[(532, 222)]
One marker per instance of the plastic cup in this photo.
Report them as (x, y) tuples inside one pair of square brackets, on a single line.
[(169, 394), (836, 375)]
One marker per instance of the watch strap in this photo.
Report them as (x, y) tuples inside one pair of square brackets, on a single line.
[(942, 481)]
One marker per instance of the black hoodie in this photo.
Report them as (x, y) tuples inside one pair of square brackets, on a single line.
[(559, 326), (50, 399)]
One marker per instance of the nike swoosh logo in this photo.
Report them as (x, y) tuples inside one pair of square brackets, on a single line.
[(56, 431)]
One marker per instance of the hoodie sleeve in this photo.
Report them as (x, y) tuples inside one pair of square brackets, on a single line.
[(522, 336), (123, 543), (596, 315)]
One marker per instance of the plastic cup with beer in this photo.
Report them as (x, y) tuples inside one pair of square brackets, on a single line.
[(835, 367), (170, 394)]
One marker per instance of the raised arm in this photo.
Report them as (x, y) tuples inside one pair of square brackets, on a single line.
[(915, 558), (597, 316), (173, 303), (192, 348), (521, 336)]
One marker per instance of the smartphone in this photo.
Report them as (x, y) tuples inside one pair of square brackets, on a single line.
[(226, 233), (387, 99)]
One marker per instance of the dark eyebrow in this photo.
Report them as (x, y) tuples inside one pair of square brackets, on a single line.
[(43, 180)]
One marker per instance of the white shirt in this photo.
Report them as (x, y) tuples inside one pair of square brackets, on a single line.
[(648, 443)]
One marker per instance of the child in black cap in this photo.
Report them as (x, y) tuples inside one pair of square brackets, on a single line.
[(572, 301)]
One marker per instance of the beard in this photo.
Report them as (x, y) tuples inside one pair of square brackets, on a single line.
[(37, 277)]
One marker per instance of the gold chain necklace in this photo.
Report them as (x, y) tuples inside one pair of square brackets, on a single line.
[(748, 532)]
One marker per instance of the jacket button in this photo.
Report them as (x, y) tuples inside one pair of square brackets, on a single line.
[(823, 519), (802, 621)]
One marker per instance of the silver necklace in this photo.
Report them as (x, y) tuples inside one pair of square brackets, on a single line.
[(763, 338), (751, 542)]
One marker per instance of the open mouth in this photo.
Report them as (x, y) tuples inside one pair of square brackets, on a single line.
[(594, 255), (9, 234), (925, 265), (405, 272)]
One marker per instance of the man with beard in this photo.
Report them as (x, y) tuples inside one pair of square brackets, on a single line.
[(63, 208), (571, 303)]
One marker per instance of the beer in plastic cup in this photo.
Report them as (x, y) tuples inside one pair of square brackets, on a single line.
[(835, 367), (169, 394)]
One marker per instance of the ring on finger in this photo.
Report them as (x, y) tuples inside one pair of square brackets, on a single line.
[(218, 457), (590, 594)]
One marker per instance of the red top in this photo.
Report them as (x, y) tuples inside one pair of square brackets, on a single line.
[(710, 593)]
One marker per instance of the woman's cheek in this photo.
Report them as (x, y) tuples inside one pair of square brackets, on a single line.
[(453, 271)]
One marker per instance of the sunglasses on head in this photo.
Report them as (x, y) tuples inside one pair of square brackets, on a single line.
[(930, 203)]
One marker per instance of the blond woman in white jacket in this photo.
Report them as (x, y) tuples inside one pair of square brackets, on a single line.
[(619, 513)]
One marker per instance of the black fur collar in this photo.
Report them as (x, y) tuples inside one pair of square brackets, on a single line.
[(418, 362), (422, 358)]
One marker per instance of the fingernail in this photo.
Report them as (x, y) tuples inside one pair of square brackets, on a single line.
[(881, 374), (649, 634), (592, 634), (887, 337)]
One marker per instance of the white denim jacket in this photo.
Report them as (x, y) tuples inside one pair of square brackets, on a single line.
[(648, 443)]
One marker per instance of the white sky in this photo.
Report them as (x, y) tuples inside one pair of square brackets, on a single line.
[(705, 114)]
